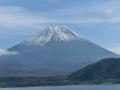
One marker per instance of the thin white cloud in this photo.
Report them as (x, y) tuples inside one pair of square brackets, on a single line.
[(15, 17), (115, 49), (4, 52)]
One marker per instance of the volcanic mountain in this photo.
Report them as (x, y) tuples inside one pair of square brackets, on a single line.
[(55, 50)]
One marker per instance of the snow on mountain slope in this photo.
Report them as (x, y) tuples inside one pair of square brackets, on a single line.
[(52, 33), (53, 51)]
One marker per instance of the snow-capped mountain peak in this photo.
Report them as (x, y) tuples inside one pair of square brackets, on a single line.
[(53, 33), (51, 53)]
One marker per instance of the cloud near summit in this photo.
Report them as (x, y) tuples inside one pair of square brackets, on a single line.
[(4, 52)]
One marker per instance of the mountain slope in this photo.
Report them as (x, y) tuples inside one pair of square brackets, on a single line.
[(104, 70), (53, 51)]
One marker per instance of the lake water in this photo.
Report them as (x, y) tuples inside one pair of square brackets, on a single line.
[(80, 87)]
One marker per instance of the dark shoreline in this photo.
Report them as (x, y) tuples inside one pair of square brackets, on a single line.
[(47, 81)]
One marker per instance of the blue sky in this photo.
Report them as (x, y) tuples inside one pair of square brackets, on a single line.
[(95, 20)]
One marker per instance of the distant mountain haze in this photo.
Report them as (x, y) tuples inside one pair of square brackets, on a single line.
[(55, 50)]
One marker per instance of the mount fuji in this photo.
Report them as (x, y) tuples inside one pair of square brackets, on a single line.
[(55, 50)]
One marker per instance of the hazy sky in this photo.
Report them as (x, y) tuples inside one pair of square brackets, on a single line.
[(95, 20)]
